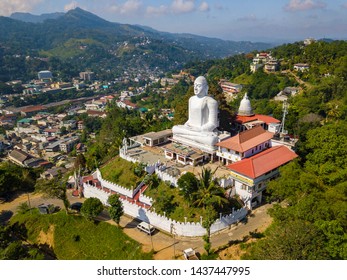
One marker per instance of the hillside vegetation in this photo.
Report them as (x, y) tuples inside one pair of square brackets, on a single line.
[(81, 40), (71, 237), (311, 221)]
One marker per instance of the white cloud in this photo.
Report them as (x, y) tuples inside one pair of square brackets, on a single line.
[(70, 6), (157, 11), (204, 7), (7, 7), (128, 7), (302, 5), (251, 17), (183, 6)]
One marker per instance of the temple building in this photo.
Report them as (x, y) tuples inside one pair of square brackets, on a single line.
[(243, 145), (246, 119), (250, 176)]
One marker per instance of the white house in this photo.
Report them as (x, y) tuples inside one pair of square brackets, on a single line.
[(250, 176), (244, 145), (301, 67)]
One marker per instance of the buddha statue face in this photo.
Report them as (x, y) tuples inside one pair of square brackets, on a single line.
[(200, 86)]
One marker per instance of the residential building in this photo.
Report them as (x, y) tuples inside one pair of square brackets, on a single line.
[(93, 113), (301, 67), (272, 65), (53, 173), (45, 75), (230, 90), (287, 92), (126, 104), (69, 124), (87, 76), (18, 157), (68, 145), (80, 125)]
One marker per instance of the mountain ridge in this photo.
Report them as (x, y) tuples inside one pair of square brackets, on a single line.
[(90, 42)]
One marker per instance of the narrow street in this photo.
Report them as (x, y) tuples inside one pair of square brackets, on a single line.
[(165, 245)]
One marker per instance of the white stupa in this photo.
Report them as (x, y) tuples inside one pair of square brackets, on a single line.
[(245, 108)]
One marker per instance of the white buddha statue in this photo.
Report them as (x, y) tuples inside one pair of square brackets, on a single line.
[(201, 127)]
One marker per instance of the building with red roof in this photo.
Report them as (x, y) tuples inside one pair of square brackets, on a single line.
[(244, 145), (246, 119), (251, 175)]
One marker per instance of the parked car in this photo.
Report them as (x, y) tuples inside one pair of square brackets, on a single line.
[(76, 206), (189, 254), (146, 227), (45, 208)]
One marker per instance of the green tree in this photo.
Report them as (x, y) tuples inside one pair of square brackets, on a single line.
[(80, 162), (188, 186), (116, 207), (91, 208), (291, 240), (165, 203), (54, 188), (209, 191), (209, 218), (15, 251)]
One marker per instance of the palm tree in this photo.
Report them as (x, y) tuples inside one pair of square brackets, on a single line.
[(209, 193)]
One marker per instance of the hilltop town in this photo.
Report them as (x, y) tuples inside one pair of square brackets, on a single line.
[(180, 167)]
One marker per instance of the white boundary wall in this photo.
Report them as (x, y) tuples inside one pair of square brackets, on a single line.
[(117, 188), (166, 177), (164, 223)]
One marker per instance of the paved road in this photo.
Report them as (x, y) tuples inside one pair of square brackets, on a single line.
[(165, 245)]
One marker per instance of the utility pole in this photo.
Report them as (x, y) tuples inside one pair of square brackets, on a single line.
[(29, 204), (285, 112), (174, 241), (150, 233)]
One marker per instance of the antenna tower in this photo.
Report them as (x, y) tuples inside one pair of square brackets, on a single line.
[(285, 112)]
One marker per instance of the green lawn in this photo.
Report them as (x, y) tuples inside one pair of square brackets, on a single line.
[(75, 238), (121, 172)]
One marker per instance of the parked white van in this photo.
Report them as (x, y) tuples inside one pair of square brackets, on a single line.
[(146, 227)]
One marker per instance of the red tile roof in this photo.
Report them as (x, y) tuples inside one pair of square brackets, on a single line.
[(129, 103), (263, 118), (87, 178), (246, 140), (263, 162)]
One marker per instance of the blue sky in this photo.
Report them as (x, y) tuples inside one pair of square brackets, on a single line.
[(254, 20)]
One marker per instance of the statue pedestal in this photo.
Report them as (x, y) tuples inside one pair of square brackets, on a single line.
[(193, 144)]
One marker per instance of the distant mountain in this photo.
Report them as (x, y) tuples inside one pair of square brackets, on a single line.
[(27, 17), (88, 41)]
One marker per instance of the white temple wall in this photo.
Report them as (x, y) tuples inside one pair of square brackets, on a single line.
[(163, 223)]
